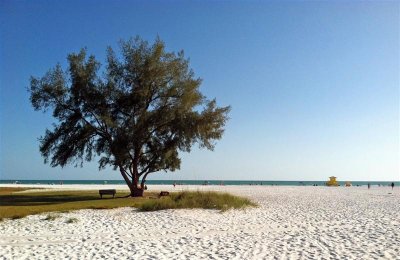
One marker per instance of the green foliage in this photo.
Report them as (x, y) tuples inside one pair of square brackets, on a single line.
[(135, 114), (18, 205), (205, 200)]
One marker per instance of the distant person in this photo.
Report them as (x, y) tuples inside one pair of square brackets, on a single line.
[(369, 185), (392, 185), (174, 184)]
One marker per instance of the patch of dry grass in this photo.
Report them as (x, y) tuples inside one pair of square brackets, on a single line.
[(17, 205), (197, 199)]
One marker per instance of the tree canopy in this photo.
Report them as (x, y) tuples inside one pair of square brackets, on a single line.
[(135, 114)]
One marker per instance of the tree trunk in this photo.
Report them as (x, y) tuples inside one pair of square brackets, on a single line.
[(133, 185), (138, 192), (135, 190)]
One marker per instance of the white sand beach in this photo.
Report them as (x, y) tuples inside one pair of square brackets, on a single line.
[(290, 223)]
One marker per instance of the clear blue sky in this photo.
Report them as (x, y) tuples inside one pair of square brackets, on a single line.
[(314, 86)]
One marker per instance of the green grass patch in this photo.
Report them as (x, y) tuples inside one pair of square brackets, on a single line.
[(16, 205), (9, 190), (190, 200)]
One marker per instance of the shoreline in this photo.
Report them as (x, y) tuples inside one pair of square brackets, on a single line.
[(234, 189), (167, 186)]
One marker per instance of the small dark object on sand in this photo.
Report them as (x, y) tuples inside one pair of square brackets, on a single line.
[(164, 193)]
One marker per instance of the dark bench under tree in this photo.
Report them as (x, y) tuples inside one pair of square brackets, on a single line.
[(107, 192)]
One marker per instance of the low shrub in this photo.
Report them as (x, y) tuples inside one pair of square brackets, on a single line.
[(205, 200)]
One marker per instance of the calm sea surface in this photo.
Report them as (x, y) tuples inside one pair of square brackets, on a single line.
[(199, 182)]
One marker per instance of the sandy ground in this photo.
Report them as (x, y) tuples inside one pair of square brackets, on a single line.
[(291, 223)]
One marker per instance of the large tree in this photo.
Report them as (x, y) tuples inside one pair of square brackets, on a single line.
[(135, 114)]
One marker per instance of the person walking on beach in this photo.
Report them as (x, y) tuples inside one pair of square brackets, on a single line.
[(392, 185), (369, 185)]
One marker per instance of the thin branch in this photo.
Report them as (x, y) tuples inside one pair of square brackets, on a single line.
[(124, 175), (152, 161)]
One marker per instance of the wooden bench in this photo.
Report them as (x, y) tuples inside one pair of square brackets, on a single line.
[(107, 192)]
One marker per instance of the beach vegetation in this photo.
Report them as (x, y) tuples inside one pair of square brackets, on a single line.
[(18, 205), (190, 200), (8, 190), (136, 114)]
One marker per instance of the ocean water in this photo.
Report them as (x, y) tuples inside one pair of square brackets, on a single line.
[(202, 182)]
